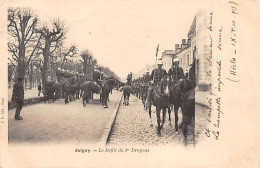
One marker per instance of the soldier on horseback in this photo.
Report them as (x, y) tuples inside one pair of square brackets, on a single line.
[(129, 78), (176, 73), (156, 76)]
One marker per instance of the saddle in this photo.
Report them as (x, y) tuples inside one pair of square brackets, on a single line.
[(99, 84), (158, 93)]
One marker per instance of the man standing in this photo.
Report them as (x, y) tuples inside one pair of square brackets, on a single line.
[(176, 73), (156, 76), (39, 89), (18, 97)]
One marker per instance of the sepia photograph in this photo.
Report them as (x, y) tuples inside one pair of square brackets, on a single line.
[(104, 79)]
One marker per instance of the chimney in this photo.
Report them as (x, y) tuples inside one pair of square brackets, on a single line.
[(176, 46), (189, 42), (183, 41)]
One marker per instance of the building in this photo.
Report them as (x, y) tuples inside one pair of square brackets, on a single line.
[(167, 57), (196, 49)]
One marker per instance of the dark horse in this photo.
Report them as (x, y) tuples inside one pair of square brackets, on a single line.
[(127, 91), (160, 99), (177, 93), (52, 90), (107, 85), (182, 95), (89, 87)]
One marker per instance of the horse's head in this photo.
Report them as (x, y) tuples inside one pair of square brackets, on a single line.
[(185, 85), (108, 82), (165, 86)]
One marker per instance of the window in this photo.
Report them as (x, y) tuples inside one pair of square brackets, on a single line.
[(188, 60)]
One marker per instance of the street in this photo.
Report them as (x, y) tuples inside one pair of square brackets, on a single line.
[(60, 123), (132, 126)]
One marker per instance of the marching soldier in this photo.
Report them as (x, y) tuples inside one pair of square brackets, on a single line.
[(176, 73), (18, 97), (156, 76), (145, 81)]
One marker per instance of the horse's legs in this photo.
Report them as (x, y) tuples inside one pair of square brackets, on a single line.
[(169, 112), (150, 115), (66, 98), (176, 108), (158, 110), (45, 97), (185, 133), (164, 115), (74, 94), (104, 99), (83, 101), (127, 98)]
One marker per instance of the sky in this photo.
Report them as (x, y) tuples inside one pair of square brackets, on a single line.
[(121, 34)]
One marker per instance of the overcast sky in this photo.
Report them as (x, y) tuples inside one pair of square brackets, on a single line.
[(121, 34)]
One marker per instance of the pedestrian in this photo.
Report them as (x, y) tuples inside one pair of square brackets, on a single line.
[(39, 89), (18, 97)]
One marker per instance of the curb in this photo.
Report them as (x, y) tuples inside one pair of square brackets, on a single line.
[(29, 101), (202, 105), (108, 130)]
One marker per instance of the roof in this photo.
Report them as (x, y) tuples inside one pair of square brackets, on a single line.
[(193, 27), (168, 52)]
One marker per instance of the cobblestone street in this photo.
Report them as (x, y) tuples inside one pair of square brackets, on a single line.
[(132, 126)]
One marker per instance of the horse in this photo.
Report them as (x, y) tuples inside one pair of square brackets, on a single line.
[(107, 85), (160, 99), (127, 90), (177, 93), (188, 103), (89, 87), (66, 90), (52, 90), (188, 112), (144, 90)]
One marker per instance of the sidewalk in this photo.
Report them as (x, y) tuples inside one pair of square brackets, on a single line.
[(27, 93), (30, 96), (201, 98)]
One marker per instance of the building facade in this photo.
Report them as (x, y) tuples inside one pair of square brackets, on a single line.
[(196, 48), (167, 57)]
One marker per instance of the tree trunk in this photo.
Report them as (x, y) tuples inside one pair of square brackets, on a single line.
[(30, 76), (46, 54), (20, 71)]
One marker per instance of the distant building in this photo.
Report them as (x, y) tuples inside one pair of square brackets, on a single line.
[(167, 57)]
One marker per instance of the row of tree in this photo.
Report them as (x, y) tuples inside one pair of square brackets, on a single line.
[(34, 43)]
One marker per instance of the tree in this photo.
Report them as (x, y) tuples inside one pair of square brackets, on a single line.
[(86, 60), (23, 41), (50, 38), (68, 52)]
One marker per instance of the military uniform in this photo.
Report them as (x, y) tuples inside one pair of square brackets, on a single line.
[(18, 98), (129, 79), (176, 73), (145, 81), (157, 75)]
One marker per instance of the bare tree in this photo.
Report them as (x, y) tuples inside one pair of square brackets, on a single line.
[(68, 52), (50, 41), (23, 41)]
